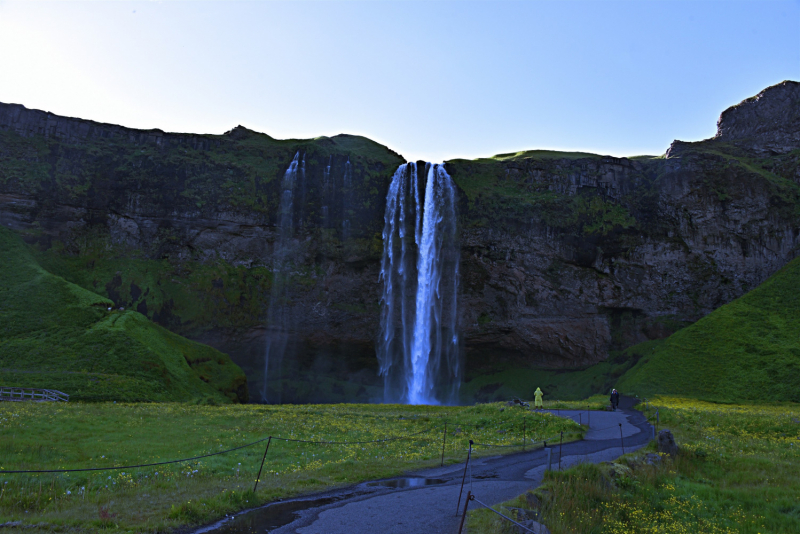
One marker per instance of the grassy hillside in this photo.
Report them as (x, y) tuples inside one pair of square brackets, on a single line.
[(54, 334), (738, 472), (747, 350)]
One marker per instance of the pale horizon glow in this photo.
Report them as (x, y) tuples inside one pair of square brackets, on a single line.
[(433, 81)]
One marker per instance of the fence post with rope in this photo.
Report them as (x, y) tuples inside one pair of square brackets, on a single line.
[(470, 497), (258, 477), (464, 478), (444, 441)]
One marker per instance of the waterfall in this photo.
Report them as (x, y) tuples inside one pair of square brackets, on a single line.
[(418, 348), (278, 320), (347, 180), (326, 193)]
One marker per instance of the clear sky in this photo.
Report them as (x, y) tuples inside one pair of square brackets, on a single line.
[(432, 80)]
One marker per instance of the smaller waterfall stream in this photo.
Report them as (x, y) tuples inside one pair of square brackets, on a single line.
[(347, 183), (278, 319), (418, 346), (327, 193)]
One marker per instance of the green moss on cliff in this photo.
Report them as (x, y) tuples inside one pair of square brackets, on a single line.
[(185, 296), (54, 334), (534, 187), (201, 175), (747, 350)]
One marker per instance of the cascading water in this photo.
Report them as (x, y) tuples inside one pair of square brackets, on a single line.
[(418, 348), (326, 193), (347, 180), (278, 320)]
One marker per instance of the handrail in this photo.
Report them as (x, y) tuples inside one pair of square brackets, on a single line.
[(17, 394)]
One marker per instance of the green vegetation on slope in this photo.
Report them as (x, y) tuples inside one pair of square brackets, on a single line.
[(185, 295), (542, 154), (54, 334), (746, 350), (161, 498), (738, 471)]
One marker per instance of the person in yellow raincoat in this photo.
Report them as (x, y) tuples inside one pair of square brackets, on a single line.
[(537, 403)]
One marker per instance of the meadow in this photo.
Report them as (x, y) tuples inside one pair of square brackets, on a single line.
[(161, 498), (737, 472), (57, 335)]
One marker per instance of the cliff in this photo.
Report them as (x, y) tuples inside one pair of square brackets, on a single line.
[(566, 257)]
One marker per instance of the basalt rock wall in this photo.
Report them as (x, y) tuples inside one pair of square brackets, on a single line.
[(565, 256)]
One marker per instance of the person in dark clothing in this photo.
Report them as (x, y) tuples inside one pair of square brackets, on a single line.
[(614, 399)]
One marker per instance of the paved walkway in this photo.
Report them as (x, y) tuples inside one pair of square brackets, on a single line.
[(368, 508)]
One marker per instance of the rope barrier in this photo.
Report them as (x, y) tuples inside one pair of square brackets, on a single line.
[(115, 468), (490, 445), (502, 515), (357, 442), (3, 472)]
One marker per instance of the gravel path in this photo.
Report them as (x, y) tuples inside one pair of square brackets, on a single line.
[(376, 508)]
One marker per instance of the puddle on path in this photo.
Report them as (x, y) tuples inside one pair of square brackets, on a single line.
[(407, 482), (269, 517), (276, 515)]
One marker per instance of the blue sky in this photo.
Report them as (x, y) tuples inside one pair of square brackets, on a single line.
[(433, 80)]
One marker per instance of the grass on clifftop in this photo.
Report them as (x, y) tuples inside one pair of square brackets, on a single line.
[(746, 350), (162, 498), (57, 335), (738, 471), (543, 154)]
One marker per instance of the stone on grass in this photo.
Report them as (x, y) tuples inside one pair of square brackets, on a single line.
[(666, 443), (652, 459), (535, 526), (532, 500)]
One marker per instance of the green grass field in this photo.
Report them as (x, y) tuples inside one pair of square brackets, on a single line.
[(746, 350), (737, 472), (161, 498), (57, 335)]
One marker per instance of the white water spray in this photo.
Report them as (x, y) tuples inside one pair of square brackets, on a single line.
[(418, 345)]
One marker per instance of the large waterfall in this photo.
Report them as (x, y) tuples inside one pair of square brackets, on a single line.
[(278, 320), (418, 348)]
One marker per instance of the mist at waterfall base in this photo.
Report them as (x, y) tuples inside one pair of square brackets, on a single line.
[(418, 346)]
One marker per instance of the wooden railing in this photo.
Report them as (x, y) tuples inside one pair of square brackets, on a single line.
[(32, 394)]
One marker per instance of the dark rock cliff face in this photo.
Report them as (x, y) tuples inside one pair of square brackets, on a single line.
[(767, 123), (565, 256)]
